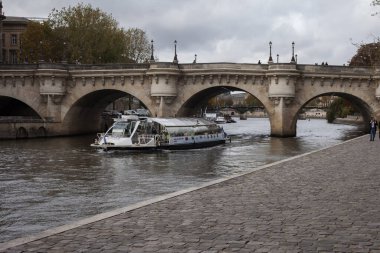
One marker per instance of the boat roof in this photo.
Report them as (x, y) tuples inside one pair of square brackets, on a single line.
[(170, 122), (182, 122), (127, 117)]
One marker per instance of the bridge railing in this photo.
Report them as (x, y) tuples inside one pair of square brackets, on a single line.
[(62, 66), (212, 65), (334, 69), (108, 66), (224, 65), (18, 66), (22, 119)]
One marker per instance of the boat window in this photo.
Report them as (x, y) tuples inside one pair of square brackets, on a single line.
[(120, 125), (118, 128), (129, 129), (145, 127), (176, 131), (187, 127), (117, 132), (123, 128), (193, 130)]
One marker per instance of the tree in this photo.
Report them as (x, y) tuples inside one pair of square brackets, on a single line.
[(89, 35), (138, 47), (252, 101), (30, 46), (227, 101), (36, 42), (375, 3), (213, 102), (84, 34), (339, 108), (367, 55)]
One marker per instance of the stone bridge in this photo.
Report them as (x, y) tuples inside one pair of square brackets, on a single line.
[(64, 99)]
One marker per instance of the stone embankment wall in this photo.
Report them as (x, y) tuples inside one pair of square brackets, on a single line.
[(350, 120)]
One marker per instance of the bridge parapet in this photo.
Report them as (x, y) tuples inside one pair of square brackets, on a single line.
[(223, 73), (106, 66), (282, 67), (224, 65), (331, 69)]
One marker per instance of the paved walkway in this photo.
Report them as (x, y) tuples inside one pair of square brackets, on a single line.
[(326, 201)]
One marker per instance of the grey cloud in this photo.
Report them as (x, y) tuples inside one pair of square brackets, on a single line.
[(237, 31)]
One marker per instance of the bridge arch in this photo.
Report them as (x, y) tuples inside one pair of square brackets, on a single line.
[(359, 103), (189, 104), (83, 114), (12, 106)]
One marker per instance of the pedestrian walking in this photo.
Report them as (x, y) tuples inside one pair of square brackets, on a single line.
[(372, 129)]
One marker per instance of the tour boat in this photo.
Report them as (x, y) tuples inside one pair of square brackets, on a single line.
[(133, 133)]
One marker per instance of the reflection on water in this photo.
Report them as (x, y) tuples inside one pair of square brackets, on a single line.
[(49, 182)]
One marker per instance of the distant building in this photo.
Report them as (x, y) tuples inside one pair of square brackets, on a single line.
[(236, 98), (11, 29), (229, 111), (239, 98), (315, 113)]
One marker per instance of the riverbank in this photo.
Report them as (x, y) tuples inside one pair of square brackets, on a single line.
[(351, 120), (322, 201)]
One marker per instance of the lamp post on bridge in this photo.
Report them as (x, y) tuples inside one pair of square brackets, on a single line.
[(175, 60), (270, 52), (64, 58), (152, 52), (293, 60), (195, 58), (41, 52), (2, 17)]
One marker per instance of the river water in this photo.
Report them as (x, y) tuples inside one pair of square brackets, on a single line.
[(45, 183)]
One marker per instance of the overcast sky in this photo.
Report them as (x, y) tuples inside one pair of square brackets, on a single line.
[(236, 30)]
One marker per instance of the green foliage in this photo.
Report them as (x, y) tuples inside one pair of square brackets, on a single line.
[(138, 47), (84, 34), (227, 101), (339, 108), (213, 102), (252, 101), (375, 3), (34, 42), (367, 55), (330, 116), (220, 101)]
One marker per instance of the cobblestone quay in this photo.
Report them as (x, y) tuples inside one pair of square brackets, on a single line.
[(325, 201)]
